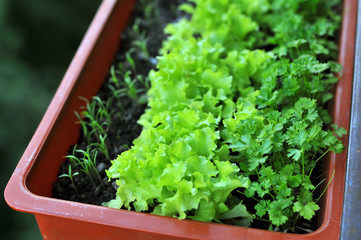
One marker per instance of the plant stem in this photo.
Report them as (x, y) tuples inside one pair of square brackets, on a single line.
[(328, 184), (75, 189)]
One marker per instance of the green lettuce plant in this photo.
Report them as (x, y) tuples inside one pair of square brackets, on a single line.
[(236, 122)]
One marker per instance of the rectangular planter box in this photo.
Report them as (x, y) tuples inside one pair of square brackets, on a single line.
[(29, 189)]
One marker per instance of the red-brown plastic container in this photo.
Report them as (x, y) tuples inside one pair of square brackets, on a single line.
[(29, 189)]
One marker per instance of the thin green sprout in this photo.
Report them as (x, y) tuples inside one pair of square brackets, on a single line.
[(71, 175)]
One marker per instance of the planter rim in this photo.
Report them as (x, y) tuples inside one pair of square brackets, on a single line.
[(351, 217), (26, 201)]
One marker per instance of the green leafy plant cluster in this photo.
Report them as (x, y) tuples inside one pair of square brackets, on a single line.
[(236, 121)]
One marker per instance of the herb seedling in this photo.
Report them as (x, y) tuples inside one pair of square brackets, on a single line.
[(71, 175), (88, 164), (101, 146)]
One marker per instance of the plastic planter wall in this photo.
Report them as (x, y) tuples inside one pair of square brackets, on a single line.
[(29, 188), (351, 216)]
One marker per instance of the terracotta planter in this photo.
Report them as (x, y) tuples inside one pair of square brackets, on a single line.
[(29, 188)]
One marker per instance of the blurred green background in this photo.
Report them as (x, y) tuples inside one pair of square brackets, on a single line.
[(38, 39)]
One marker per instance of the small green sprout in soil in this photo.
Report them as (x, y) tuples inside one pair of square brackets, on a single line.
[(71, 175)]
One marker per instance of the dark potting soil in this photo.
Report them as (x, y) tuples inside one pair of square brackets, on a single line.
[(148, 20)]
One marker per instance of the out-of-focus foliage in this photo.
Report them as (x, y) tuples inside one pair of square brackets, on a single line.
[(37, 41)]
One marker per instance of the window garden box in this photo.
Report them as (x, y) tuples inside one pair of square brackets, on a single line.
[(30, 187)]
